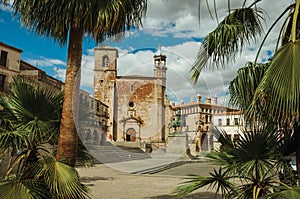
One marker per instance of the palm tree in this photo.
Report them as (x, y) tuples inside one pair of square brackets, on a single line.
[(71, 21), (29, 133), (281, 80), (248, 168)]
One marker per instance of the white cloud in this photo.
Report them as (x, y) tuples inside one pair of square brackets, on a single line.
[(60, 73), (179, 19), (46, 62)]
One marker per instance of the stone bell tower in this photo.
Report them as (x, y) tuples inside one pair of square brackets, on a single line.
[(160, 70), (105, 74), (160, 67)]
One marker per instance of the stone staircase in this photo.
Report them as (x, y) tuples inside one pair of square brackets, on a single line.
[(165, 167), (110, 153)]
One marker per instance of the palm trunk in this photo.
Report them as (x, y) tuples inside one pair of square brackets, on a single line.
[(67, 146)]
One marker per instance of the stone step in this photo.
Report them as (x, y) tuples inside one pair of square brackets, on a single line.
[(165, 167), (112, 154)]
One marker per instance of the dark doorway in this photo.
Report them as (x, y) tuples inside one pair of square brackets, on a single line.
[(130, 135)]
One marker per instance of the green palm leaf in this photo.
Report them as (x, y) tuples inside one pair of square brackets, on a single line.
[(282, 80), (15, 140), (99, 19), (242, 88), (240, 27), (285, 192), (218, 180), (15, 188), (61, 179), (33, 110)]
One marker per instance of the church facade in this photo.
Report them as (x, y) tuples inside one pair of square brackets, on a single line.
[(137, 104)]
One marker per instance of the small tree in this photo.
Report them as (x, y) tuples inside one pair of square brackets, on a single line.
[(29, 133)]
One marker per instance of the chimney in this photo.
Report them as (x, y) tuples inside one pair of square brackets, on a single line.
[(215, 99), (198, 97), (208, 100)]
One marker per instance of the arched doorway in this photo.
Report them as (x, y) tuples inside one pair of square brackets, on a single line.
[(130, 135)]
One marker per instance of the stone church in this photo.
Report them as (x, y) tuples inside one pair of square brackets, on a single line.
[(137, 104), (140, 113)]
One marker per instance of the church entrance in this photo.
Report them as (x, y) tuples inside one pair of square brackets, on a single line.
[(130, 135)]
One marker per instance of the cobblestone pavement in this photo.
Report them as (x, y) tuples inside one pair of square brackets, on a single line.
[(108, 183)]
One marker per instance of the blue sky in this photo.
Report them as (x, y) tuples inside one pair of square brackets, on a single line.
[(173, 25)]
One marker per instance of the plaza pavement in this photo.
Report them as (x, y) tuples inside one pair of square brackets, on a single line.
[(116, 181)]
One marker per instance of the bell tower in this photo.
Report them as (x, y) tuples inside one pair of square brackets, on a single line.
[(160, 70), (105, 73), (160, 67)]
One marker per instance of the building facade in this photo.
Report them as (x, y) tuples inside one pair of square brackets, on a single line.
[(232, 123), (136, 104), (197, 117), (10, 58)]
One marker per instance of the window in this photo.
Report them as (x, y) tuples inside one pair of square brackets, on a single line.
[(98, 107), (220, 122), (105, 61), (236, 121), (236, 137), (227, 121), (2, 82), (228, 136), (3, 58)]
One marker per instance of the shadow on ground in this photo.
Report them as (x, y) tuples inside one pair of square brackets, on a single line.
[(204, 195), (90, 179)]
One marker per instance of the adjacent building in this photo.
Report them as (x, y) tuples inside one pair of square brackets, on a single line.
[(93, 124), (10, 59)]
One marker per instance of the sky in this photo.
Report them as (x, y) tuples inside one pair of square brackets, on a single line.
[(169, 27)]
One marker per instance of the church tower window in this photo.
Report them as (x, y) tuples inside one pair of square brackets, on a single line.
[(105, 61)]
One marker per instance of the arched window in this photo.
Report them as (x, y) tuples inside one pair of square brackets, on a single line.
[(105, 61)]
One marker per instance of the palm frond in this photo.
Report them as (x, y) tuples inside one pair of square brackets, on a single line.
[(99, 19), (282, 82), (61, 179), (33, 109), (240, 27), (14, 187), (243, 86), (217, 180), (14, 140), (285, 192)]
